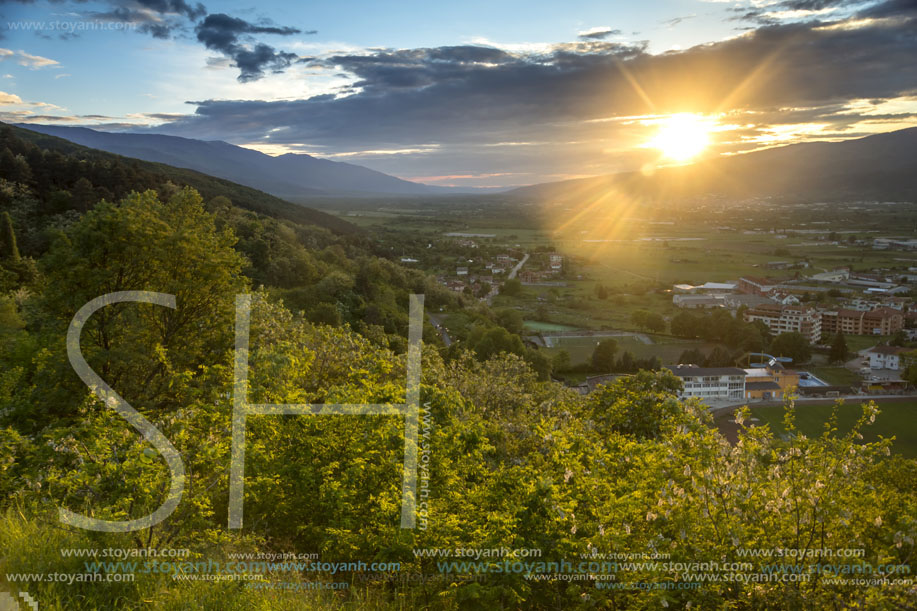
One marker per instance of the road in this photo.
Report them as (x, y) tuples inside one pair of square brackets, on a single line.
[(437, 322), (512, 274), (515, 270)]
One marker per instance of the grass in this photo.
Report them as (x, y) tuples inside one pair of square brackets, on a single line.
[(669, 351), (538, 326), (836, 376), (855, 343), (896, 419)]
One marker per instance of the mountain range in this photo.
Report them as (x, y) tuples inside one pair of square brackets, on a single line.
[(289, 176), (877, 167), (147, 174)]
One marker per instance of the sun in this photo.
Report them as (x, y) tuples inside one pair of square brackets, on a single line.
[(682, 137)]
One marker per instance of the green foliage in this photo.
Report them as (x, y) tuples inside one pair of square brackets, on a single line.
[(643, 405), (603, 357), (511, 288), (794, 345), (649, 321), (839, 351), (516, 460), (9, 249)]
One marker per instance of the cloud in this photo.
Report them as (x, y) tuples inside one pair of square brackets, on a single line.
[(9, 98), (230, 36), (782, 11), (468, 99), (222, 33), (33, 62), (671, 23), (598, 33)]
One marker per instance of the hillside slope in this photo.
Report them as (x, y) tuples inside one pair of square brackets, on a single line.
[(881, 167)]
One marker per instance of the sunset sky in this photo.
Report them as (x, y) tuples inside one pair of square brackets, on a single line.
[(467, 93)]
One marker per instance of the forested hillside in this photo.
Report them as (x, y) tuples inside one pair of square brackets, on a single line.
[(513, 460), (58, 167)]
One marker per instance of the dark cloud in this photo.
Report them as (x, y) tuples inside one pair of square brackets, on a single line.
[(676, 20), (179, 7), (230, 36), (769, 15), (561, 110), (891, 8), (598, 34), (222, 33), (159, 18)]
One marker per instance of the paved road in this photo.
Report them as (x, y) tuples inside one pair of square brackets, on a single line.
[(515, 270), (512, 274), (437, 322)]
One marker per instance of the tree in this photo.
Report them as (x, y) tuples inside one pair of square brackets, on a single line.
[(719, 357), (627, 363), (794, 345), (838, 353), (144, 244), (643, 405), (511, 288), (562, 361), (910, 374), (601, 292), (9, 249), (539, 362), (510, 319), (650, 321), (325, 313), (692, 356), (490, 341), (83, 195), (603, 357), (685, 324)]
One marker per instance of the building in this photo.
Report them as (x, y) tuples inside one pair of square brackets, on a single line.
[(711, 383), (556, 262), (788, 319), (694, 302), (838, 275), (734, 302), (890, 357), (756, 286), (771, 382), (896, 243), (879, 321)]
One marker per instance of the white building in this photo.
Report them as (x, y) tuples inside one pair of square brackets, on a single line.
[(889, 357), (788, 319), (716, 383)]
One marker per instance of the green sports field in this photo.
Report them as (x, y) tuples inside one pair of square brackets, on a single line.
[(896, 419)]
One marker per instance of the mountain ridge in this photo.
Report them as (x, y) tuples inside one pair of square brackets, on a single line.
[(291, 175), (878, 166), (209, 186)]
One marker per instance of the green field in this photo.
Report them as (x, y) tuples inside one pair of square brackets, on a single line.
[(666, 349), (538, 326), (836, 376), (896, 419)]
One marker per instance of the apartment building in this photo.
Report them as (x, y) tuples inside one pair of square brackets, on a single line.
[(788, 319), (711, 383), (879, 321)]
